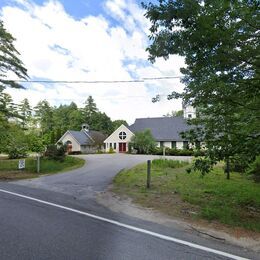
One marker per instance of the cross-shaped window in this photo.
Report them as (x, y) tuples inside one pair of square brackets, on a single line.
[(122, 135)]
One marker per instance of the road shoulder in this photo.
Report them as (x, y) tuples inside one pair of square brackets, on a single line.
[(214, 231)]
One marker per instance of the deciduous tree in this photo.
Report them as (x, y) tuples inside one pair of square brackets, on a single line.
[(220, 43)]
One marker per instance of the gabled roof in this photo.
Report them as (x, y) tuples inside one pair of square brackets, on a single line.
[(88, 138), (81, 137), (119, 129), (162, 128)]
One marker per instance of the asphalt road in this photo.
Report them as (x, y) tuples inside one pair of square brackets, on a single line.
[(60, 219)]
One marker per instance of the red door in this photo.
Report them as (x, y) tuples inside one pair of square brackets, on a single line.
[(122, 147)]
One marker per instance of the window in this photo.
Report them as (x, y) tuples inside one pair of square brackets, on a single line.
[(114, 146), (189, 115), (185, 145), (161, 144), (110, 145), (173, 144), (122, 135)]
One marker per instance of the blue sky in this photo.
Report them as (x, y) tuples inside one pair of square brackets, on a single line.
[(90, 40)]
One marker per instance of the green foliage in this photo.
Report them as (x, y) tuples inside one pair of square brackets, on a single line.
[(111, 150), (143, 142), (44, 116), (204, 165), (235, 202), (254, 169), (219, 40), (8, 168), (9, 60), (118, 123), (35, 142), (25, 112), (17, 150), (95, 119), (54, 152), (174, 113), (178, 152), (15, 143)]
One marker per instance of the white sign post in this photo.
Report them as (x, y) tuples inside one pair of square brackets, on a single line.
[(21, 164)]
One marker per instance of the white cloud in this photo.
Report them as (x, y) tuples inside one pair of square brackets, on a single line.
[(55, 46)]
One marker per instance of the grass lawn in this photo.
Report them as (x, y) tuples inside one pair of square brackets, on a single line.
[(9, 168), (235, 202)]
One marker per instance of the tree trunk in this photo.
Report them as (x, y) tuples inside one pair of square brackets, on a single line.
[(228, 168)]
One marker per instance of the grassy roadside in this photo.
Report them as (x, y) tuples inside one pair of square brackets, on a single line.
[(9, 168), (234, 202)]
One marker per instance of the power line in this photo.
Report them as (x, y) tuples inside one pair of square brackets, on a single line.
[(96, 81)]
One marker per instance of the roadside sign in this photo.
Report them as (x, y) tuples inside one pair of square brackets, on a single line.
[(21, 164)]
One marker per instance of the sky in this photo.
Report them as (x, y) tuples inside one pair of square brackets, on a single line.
[(87, 40)]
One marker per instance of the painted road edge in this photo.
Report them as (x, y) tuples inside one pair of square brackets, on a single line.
[(140, 230)]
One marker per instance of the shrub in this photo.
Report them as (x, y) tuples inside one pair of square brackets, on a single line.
[(56, 153), (17, 151), (185, 152), (111, 150), (203, 165), (157, 151), (143, 142), (238, 164), (254, 169)]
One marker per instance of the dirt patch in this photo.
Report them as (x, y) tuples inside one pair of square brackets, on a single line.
[(213, 230)]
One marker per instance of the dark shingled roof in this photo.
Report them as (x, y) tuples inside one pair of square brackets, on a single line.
[(162, 128), (84, 139)]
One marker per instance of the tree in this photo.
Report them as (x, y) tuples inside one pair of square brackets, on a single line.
[(76, 119), (15, 143), (118, 123), (9, 61), (44, 115), (25, 111), (101, 122), (7, 107), (95, 119), (35, 142), (143, 142), (90, 108), (174, 113), (220, 43)]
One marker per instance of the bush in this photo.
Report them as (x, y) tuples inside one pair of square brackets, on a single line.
[(143, 142), (15, 152), (238, 164), (185, 152), (56, 153), (111, 150), (157, 151), (254, 169)]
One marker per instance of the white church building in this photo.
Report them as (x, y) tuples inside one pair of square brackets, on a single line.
[(165, 130)]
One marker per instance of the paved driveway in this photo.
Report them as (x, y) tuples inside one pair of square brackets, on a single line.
[(94, 177)]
